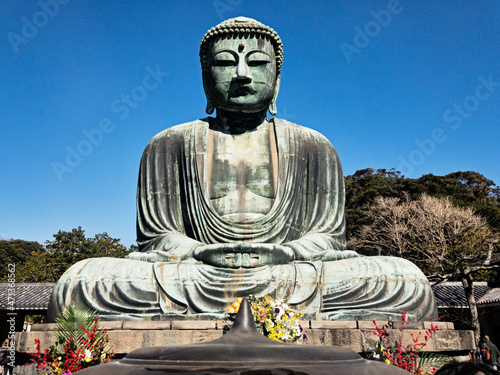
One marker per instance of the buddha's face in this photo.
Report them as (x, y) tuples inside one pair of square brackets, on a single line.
[(241, 75)]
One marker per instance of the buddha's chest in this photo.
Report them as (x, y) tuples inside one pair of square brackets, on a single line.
[(241, 172)]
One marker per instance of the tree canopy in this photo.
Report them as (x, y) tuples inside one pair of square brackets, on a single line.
[(49, 263), (16, 252), (446, 241), (464, 189)]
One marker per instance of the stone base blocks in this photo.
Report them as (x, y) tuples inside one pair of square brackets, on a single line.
[(126, 336), (360, 334)]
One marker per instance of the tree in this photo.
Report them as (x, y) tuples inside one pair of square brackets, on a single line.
[(363, 187), (445, 241), (465, 189), (16, 252), (67, 248)]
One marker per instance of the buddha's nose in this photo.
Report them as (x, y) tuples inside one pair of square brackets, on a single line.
[(241, 73)]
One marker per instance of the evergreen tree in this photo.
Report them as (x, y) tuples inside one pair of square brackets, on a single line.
[(16, 252), (465, 189), (67, 248)]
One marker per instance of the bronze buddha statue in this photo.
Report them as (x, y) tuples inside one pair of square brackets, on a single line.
[(240, 204)]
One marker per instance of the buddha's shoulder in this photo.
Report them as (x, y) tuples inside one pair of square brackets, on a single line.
[(305, 134), (180, 131)]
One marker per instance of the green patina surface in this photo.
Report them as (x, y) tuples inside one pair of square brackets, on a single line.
[(240, 204)]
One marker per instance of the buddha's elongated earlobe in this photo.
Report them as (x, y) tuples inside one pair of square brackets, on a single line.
[(210, 107), (272, 106)]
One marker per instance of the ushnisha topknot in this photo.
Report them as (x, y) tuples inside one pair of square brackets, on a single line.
[(241, 26)]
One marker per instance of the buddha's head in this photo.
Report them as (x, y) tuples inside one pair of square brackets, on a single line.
[(241, 61)]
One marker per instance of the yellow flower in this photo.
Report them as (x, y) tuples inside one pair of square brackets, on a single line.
[(88, 359), (387, 361)]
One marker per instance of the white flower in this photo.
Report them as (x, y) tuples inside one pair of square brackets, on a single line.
[(269, 324)]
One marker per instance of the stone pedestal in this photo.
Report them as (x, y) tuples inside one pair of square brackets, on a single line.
[(126, 336)]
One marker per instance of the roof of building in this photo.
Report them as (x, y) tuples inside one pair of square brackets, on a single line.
[(492, 296), (451, 294), (25, 296)]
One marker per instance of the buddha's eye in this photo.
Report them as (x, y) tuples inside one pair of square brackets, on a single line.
[(258, 59), (224, 59), (224, 63), (258, 62)]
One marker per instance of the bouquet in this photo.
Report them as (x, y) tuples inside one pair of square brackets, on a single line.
[(274, 319)]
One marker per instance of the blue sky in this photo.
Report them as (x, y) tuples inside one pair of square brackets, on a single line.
[(411, 85)]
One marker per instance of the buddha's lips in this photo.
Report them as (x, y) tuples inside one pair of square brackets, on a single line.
[(241, 90)]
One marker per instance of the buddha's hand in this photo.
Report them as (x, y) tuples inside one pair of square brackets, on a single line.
[(246, 255)]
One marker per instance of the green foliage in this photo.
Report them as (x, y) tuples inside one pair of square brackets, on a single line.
[(41, 267), (80, 343), (68, 324), (16, 252), (35, 319), (465, 189), (67, 248), (363, 187), (486, 275), (429, 361), (74, 246)]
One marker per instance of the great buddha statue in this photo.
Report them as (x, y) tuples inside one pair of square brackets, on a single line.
[(240, 204)]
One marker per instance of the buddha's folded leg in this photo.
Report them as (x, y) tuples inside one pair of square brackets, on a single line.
[(368, 288), (116, 288)]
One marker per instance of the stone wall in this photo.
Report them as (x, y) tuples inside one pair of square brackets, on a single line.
[(126, 336)]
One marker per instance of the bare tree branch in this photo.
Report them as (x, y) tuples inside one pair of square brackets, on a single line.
[(445, 241)]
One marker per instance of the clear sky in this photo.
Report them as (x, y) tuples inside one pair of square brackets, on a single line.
[(411, 85)]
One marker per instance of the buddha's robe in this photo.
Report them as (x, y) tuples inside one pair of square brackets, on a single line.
[(174, 217)]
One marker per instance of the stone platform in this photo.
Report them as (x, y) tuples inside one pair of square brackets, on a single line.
[(126, 336)]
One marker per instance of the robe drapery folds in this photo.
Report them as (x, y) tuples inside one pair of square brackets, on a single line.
[(174, 217), (174, 214)]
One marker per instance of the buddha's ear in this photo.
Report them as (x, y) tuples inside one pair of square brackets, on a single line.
[(272, 107), (210, 106)]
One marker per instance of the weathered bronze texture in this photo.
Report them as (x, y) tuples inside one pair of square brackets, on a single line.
[(241, 204), (244, 351)]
